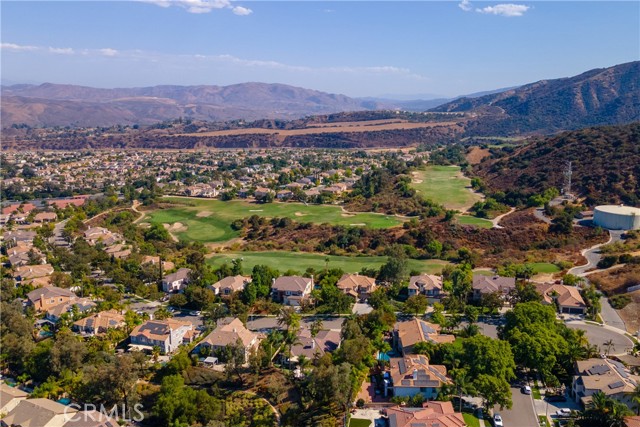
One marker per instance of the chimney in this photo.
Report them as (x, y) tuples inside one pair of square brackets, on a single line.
[(415, 375), (313, 343)]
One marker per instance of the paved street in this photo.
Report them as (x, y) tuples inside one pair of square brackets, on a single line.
[(522, 414), (593, 254), (598, 335), (610, 316), (265, 323)]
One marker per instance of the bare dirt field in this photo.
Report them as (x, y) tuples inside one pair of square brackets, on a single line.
[(476, 155), (203, 214)]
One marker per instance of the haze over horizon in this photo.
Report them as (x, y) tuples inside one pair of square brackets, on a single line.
[(359, 49)]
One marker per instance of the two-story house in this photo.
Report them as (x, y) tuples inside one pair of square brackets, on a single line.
[(567, 298), (230, 284), (412, 375), (229, 331), (176, 282), (46, 297), (426, 284), (167, 334), (360, 287), (409, 333), (603, 375), (291, 290)]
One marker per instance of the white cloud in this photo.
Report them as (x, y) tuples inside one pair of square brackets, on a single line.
[(506, 9), (62, 50), (108, 52), (465, 5), (242, 11), (17, 47), (201, 6)]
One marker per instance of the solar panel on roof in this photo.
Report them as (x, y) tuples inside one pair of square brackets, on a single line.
[(617, 384), (599, 370)]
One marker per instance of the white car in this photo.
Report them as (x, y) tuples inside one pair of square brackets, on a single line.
[(526, 389), (497, 421), (564, 412)]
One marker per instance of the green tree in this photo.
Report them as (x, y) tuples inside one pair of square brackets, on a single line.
[(416, 304)]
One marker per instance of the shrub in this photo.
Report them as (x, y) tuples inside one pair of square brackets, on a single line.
[(619, 301)]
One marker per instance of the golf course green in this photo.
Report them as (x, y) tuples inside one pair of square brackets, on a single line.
[(445, 185), (209, 221), (300, 261)]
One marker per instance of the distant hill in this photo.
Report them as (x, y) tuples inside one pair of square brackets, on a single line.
[(605, 165), (69, 105), (597, 97)]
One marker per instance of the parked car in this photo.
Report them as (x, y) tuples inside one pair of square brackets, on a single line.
[(195, 313), (497, 421), (526, 389), (564, 412)]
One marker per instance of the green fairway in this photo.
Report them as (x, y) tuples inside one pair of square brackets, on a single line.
[(206, 220), (472, 220), (300, 261), (544, 267), (445, 185)]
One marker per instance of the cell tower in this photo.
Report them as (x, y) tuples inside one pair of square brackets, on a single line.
[(566, 188)]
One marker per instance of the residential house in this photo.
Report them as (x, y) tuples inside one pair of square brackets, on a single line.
[(605, 375), (311, 347), (413, 374), (230, 284), (261, 192), (291, 290), (284, 195), (427, 284), (432, 414), (483, 285), (10, 397), (43, 217), (167, 334), (12, 238), (567, 298), (95, 235), (228, 331), (92, 419), (360, 287), (42, 299), (29, 272), (155, 260), (81, 304), (38, 413), (176, 282), (407, 334), (99, 323)]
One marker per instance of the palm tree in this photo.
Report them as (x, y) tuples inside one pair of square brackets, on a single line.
[(155, 353), (609, 344), (462, 382), (635, 398)]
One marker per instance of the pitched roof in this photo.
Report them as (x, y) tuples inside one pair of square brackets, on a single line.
[(236, 283), (181, 274), (291, 283), (90, 419), (8, 393), (49, 292), (416, 330), (566, 295), (101, 321), (606, 375), (433, 414), (228, 331), (415, 371), (425, 281), (489, 284), (356, 281), (159, 329), (324, 342), (35, 413)]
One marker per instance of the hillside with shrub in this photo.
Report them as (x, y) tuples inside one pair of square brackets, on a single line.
[(605, 164)]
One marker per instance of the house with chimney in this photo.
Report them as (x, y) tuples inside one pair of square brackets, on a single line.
[(291, 290), (176, 282), (603, 375), (99, 323), (309, 346), (167, 334), (46, 297)]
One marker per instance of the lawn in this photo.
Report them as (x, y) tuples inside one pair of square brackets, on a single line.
[(300, 261), (472, 220), (445, 185), (544, 267), (471, 419), (207, 220), (359, 422)]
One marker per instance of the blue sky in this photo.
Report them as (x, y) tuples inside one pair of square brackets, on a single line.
[(358, 48)]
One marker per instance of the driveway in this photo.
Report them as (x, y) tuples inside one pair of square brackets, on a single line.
[(521, 414), (598, 335)]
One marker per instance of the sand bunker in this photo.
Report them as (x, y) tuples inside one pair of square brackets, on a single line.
[(203, 214), (347, 215), (299, 214), (178, 227), (256, 210), (359, 224)]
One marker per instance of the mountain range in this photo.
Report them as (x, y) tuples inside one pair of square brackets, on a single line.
[(596, 97)]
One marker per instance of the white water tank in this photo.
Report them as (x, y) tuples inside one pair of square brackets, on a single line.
[(617, 217)]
